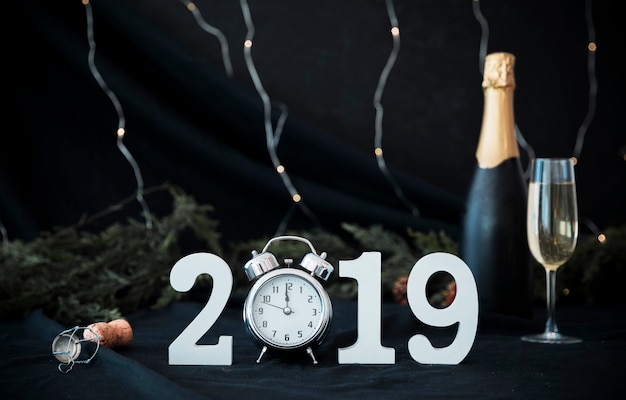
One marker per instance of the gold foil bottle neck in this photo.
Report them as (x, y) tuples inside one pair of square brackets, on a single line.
[(499, 69), (497, 142)]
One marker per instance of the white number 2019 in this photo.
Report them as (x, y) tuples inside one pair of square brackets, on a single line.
[(367, 349)]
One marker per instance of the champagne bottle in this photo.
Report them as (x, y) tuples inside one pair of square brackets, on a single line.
[(493, 235)]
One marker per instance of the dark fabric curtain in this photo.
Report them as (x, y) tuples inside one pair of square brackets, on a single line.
[(190, 124), (187, 123)]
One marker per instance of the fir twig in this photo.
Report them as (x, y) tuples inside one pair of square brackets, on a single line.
[(78, 276)]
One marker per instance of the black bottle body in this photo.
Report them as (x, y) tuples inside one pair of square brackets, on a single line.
[(494, 242)]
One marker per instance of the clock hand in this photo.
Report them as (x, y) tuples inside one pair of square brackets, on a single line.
[(287, 310), (274, 305)]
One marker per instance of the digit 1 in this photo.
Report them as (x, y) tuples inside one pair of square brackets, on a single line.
[(368, 348), (464, 309)]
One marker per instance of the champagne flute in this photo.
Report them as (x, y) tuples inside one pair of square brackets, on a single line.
[(552, 229)]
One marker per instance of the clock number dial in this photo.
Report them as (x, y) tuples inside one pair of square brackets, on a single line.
[(286, 309)]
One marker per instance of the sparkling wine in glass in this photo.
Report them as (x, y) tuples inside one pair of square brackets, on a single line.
[(552, 226)]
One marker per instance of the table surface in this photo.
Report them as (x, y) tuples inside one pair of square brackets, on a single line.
[(499, 364)]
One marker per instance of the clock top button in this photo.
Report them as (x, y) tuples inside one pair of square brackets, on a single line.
[(317, 265), (260, 264)]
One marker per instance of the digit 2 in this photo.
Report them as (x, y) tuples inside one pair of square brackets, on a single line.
[(184, 350)]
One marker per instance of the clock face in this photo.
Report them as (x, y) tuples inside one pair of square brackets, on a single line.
[(288, 309)]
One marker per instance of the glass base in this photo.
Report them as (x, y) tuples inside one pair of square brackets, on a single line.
[(551, 337)]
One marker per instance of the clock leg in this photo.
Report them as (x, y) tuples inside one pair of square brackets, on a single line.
[(310, 352), (263, 350)]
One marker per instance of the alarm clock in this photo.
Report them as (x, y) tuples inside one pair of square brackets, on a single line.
[(287, 310)]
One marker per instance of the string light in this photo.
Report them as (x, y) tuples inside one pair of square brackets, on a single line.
[(378, 149), (593, 90), (5, 236), (484, 35), (191, 6), (482, 54), (600, 236), (120, 114), (272, 134), (593, 82), (591, 68)]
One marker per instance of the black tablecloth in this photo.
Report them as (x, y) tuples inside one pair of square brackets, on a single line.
[(499, 364)]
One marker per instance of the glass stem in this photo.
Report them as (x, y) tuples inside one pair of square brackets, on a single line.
[(550, 300)]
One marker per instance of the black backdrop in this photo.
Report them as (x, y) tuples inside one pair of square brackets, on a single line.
[(190, 124)]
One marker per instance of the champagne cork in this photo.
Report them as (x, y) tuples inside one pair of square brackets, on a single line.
[(112, 334), (499, 70)]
